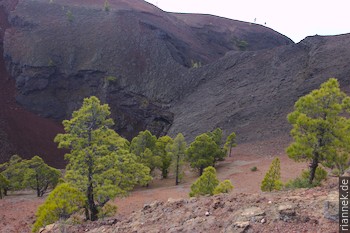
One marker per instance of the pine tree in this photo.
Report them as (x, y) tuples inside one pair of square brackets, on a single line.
[(177, 151), (203, 152), (99, 163), (166, 158), (321, 129), (4, 183), (40, 176), (272, 178), (144, 147), (13, 171), (230, 143), (205, 184)]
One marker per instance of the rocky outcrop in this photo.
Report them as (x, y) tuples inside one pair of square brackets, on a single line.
[(286, 211)]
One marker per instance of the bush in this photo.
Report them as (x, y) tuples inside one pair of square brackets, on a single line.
[(303, 180), (107, 210), (61, 203), (254, 169), (205, 184), (224, 187)]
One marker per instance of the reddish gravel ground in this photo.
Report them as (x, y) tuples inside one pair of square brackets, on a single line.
[(17, 212)]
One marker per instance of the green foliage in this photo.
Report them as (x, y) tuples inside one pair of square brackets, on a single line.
[(205, 184), (107, 210), (216, 135), (143, 146), (230, 143), (321, 129), (242, 45), (13, 171), (196, 64), (303, 180), (60, 204), (143, 140), (107, 7), (254, 169), (111, 79), (224, 187), (40, 176), (160, 150), (177, 151), (272, 180), (70, 16), (4, 184), (203, 152), (99, 163)]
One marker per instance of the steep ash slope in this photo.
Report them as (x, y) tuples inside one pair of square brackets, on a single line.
[(63, 51), (251, 93), (21, 131)]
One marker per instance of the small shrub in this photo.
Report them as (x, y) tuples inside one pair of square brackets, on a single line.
[(195, 64), (108, 210), (303, 180), (107, 7), (254, 169), (224, 187), (205, 184), (336, 172), (61, 203), (111, 79), (242, 45), (70, 16), (320, 175)]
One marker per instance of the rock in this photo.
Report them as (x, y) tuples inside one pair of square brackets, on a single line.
[(48, 228), (252, 214), (263, 220), (331, 206), (286, 212), (207, 213), (237, 227)]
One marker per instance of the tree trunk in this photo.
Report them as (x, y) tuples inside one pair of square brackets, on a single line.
[(164, 173), (5, 191), (313, 167), (229, 151), (37, 185), (201, 170), (91, 203), (177, 170), (0, 193)]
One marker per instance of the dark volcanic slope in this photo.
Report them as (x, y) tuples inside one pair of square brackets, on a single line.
[(251, 93), (62, 51), (139, 59), (22, 132)]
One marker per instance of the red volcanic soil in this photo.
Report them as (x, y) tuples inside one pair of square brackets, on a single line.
[(26, 134)]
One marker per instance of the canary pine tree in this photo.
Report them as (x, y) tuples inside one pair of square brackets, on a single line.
[(205, 184), (40, 176), (177, 151), (321, 128), (100, 164), (230, 143), (272, 178)]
